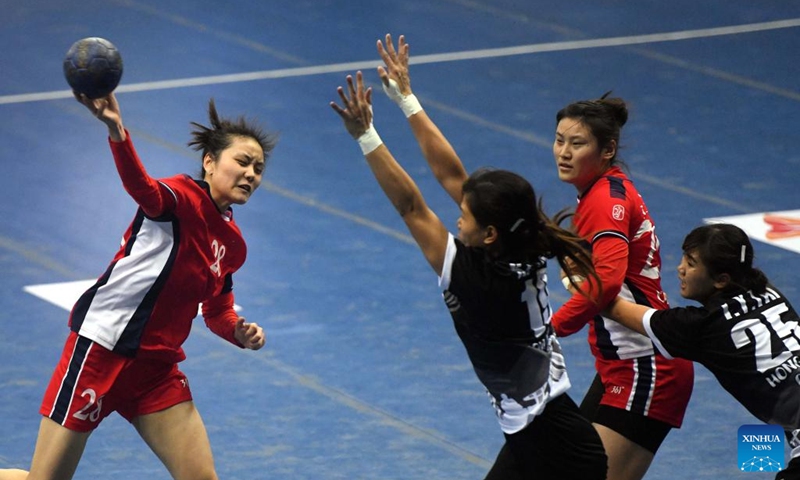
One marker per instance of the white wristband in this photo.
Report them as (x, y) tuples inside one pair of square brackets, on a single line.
[(410, 105), (575, 279), (369, 140), (407, 103)]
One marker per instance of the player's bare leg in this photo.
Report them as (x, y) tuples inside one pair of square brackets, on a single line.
[(626, 460), (178, 438), (58, 451)]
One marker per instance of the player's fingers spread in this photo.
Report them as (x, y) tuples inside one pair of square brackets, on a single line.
[(360, 81), (390, 45), (344, 98), (387, 59), (336, 108), (351, 87)]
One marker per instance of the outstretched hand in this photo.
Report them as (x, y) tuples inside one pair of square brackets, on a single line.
[(356, 109), (250, 335), (106, 109), (394, 77)]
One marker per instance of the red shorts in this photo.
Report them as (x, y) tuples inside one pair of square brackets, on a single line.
[(652, 386), (90, 382)]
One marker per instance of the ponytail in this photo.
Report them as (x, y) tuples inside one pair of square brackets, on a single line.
[(525, 233), (568, 249)]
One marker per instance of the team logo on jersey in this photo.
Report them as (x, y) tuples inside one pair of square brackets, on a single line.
[(618, 212), (219, 252), (781, 229), (760, 448)]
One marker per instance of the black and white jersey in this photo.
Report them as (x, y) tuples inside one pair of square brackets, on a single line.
[(749, 342), (501, 312)]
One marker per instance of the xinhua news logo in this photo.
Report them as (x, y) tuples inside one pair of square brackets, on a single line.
[(761, 448)]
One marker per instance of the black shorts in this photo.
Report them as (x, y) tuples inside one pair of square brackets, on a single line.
[(643, 431), (560, 444)]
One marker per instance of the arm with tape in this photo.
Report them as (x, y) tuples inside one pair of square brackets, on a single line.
[(440, 155)]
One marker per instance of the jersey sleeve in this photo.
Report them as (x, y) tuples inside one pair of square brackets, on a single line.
[(610, 258), (219, 315), (461, 272), (676, 331), (603, 219), (449, 259), (154, 198)]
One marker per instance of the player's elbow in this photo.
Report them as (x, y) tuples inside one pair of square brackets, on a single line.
[(407, 205)]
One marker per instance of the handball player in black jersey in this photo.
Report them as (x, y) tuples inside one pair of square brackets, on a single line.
[(745, 331), (494, 281)]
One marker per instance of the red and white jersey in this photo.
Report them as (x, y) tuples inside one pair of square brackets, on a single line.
[(145, 302), (614, 220)]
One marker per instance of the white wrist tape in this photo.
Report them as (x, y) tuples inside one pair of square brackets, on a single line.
[(576, 279), (407, 103), (369, 140)]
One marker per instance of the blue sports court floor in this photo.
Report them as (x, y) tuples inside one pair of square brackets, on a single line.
[(363, 376)]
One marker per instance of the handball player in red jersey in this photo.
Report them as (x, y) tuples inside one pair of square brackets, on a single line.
[(638, 394), (126, 331)]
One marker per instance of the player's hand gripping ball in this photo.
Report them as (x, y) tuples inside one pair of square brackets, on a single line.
[(93, 67)]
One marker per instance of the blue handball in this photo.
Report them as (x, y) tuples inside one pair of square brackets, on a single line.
[(93, 67)]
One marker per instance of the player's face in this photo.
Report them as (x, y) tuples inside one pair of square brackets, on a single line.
[(236, 174), (696, 283), (579, 159), (469, 232)]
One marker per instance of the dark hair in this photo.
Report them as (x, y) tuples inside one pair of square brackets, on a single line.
[(220, 135), (604, 117), (725, 248), (525, 233)]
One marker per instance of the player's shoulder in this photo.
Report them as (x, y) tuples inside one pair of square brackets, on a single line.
[(467, 256), (180, 180), (183, 185)]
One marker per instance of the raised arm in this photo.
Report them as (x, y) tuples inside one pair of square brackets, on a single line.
[(106, 109), (628, 314), (440, 155), (149, 194), (426, 228)]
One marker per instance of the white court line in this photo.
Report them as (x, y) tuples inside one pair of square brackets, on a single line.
[(422, 59)]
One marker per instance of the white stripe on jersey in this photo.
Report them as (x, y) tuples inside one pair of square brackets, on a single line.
[(629, 344), (646, 322), (174, 195), (650, 269), (115, 302), (449, 258)]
